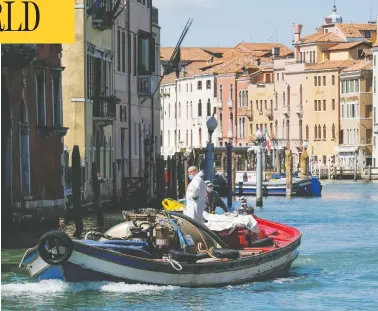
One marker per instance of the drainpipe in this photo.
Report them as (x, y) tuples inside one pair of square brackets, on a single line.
[(85, 91), (152, 116), (129, 80)]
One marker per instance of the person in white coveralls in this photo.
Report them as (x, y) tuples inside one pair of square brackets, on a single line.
[(195, 195)]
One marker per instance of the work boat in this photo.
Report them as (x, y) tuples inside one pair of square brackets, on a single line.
[(169, 248), (245, 184)]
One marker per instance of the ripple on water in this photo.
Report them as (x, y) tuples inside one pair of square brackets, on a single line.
[(337, 267)]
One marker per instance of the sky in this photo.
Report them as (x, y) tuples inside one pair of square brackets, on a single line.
[(225, 23)]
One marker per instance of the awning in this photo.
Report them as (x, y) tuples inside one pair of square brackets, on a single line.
[(342, 149)]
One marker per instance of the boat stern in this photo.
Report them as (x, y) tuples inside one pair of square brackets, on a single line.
[(38, 269)]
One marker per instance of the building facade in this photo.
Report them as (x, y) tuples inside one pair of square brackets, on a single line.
[(375, 103), (187, 104), (356, 112), (109, 90), (31, 97)]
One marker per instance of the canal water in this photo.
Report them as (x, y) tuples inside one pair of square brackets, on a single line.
[(337, 268)]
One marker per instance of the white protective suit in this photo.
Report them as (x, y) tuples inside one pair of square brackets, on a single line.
[(195, 198)]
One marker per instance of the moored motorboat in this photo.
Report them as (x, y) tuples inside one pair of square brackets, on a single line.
[(245, 184), (168, 248)]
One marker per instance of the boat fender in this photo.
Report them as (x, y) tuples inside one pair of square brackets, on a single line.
[(201, 226), (181, 256), (225, 253), (54, 240), (262, 243)]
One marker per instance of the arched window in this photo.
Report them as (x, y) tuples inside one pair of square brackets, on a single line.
[(300, 95), (169, 110), (319, 132), (231, 91), (307, 132), (220, 93), (191, 110), (288, 95), (208, 108), (200, 108), (239, 134), (316, 132), (179, 137), (191, 138), (240, 99), (324, 132), (276, 128), (287, 129), (243, 127), (246, 99), (200, 137), (300, 129), (276, 95), (231, 126), (333, 131), (179, 110), (283, 99), (221, 122)]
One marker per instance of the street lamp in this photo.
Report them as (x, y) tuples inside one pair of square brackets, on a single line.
[(259, 135), (305, 145), (211, 125)]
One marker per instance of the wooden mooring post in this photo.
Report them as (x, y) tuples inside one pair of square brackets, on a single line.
[(289, 172)]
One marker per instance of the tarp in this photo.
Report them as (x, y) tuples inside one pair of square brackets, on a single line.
[(230, 221)]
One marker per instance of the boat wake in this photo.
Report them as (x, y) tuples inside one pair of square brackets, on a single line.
[(51, 287)]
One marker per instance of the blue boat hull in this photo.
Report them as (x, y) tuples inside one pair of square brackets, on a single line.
[(304, 188)]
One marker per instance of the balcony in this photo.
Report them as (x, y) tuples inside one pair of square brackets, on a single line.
[(286, 111), (375, 128), (104, 111), (298, 143), (155, 16), (194, 121), (219, 104), (18, 55), (230, 104), (269, 114), (249, 114), (146, 85), (300, 110), (199, 120)]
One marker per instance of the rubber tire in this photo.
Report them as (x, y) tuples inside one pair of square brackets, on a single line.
[(64, 239), (201, 226), (266, 242)]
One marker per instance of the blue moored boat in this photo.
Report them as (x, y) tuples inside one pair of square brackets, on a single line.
[(245, 184)]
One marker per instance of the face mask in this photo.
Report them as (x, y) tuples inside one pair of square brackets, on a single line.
[(190, 177)]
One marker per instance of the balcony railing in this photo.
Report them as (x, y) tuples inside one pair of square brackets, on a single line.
[(249, 113), (286, 110), (146, 85), (104, 110), (219, 104), (18, 55), (269, 113), (230, 103), (375, 128), (300, 110), (155, 15)]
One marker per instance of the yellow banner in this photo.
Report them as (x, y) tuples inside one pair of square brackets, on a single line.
[(37, 21)]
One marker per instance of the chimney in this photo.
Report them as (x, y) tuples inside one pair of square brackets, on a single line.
[(297, 28)]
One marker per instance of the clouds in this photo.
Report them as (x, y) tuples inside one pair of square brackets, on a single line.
[(174, 4)]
